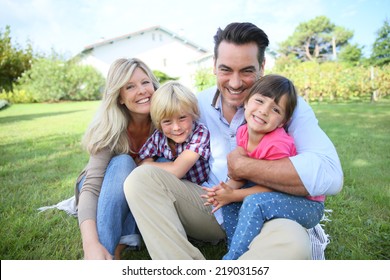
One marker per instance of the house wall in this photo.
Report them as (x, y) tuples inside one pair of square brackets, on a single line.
[(158, 49)]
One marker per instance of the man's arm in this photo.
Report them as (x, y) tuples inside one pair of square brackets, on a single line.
[(279, 175)]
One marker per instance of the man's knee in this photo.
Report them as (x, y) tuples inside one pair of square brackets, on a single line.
[(280, 239)]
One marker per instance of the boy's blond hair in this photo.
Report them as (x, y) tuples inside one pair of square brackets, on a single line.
[(172, 99)]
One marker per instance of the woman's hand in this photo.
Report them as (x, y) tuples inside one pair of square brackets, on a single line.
[(93, 249), (96, 251)]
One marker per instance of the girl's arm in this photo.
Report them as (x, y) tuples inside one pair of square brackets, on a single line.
[(223, 194), (235, 184)]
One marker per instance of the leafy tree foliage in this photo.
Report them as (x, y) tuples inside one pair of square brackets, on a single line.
[(316, 40), (13, 60), (54, 79), (334, 81), (204, 78), (381, 48), (351, 54), (163, 77)]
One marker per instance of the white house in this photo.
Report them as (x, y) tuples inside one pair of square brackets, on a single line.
[(159, 48)]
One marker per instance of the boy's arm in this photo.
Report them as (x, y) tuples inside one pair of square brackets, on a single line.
[(180, 166)]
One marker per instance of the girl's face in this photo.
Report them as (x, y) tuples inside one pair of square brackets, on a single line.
[(137, 92), (263, 115), (178, 127)]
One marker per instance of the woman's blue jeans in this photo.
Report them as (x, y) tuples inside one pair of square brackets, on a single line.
[(114, 221)]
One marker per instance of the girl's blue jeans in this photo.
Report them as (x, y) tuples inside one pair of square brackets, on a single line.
[(114, 221)]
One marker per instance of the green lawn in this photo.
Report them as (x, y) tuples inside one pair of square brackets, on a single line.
[(41, 157)]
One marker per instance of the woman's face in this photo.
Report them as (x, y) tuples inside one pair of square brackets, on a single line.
[(137, 92)]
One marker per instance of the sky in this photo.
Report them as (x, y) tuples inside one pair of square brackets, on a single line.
[(68, 26)]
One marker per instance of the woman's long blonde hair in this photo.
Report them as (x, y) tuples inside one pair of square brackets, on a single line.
[(109, 126)]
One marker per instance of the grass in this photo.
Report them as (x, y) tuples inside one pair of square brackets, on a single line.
[(41, 156)]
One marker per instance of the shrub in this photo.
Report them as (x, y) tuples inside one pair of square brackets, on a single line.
[(52, 79), (204, 78), (17, 96), (337, 81)]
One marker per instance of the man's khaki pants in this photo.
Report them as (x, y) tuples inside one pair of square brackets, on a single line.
[(167, 210)]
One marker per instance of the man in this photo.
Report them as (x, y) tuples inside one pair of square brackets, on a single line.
[(167, 209)]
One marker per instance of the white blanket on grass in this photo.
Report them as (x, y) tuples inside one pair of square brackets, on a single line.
[(67, 205)]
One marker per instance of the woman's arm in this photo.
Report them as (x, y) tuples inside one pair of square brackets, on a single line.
[(87, 205), (93, 249)]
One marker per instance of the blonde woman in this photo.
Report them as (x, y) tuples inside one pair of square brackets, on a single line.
[(113, 139)]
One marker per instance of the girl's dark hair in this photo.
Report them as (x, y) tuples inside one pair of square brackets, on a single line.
[(240, 33), (275, 86)]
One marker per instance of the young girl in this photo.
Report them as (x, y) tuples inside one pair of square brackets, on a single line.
[(180, 145), (269, 105)]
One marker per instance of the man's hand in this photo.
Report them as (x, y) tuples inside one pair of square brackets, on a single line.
[(234, 163)]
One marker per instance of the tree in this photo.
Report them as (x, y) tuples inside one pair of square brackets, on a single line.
[(163, 77), (204, 78), (13, 60), (351, 54), (53, 79), (316, 40), (381, 49)]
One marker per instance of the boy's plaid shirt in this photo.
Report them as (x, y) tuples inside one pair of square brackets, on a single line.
[(198, 142)]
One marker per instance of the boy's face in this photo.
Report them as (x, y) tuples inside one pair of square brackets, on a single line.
[(178, 127), (236, 68), (263, 115)]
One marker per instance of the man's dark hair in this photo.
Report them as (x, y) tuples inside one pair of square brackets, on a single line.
[(240, 33)]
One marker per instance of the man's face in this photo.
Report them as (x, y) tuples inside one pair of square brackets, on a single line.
[(236, 68)]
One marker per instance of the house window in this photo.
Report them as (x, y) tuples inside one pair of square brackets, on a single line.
[(165, 62), (153, 37), (161, 38)]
